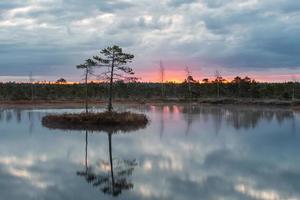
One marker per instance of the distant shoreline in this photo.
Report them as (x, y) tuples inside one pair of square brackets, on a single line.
[(202, 101)]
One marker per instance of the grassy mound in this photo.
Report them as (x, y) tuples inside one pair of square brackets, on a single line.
[(104, 121)]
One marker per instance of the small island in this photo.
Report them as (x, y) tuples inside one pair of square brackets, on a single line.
[(103, 121), (114, 61)]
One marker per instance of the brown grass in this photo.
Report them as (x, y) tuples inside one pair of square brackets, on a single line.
[(104, 121)]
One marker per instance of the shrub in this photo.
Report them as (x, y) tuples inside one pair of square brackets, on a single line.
[(105, 121)]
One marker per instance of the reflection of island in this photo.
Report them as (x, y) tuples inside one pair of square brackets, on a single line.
[(112, 177)]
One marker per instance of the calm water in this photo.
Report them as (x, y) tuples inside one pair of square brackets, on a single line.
[(187, 152)]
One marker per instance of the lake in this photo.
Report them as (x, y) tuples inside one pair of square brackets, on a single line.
[(186, 152)]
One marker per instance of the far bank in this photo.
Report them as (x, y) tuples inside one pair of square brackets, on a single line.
[(79, 103)]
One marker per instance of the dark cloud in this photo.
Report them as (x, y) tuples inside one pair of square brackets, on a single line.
[(216, 3), (177, 3), (244, 35), (104, 6), (6, 4)]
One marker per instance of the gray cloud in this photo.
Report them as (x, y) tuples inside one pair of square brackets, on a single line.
[(246, 35), (177, 3)]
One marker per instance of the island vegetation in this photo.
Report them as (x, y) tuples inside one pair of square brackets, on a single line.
[(114, 61), (103, 121)]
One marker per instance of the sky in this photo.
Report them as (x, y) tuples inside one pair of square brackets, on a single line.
[(49, 38)]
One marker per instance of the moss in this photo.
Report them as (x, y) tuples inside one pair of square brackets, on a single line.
[(104, 121)]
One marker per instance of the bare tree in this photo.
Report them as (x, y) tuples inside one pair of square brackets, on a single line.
[(218, 80), (162, 78), (188, 80), (31, 81), (88, 70), (294, 85), (115, 60)]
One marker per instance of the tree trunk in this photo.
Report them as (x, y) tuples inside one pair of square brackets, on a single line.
[(162, 90), (293, 95), (218, 88), (111, 163), (86, 150), (190, 90), (86, 92), (32, 92), (111, 84)]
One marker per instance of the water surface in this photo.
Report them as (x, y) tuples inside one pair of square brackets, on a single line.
[(187, 152)]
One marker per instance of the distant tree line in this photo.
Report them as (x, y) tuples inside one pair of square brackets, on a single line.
[(118, 82), (188, 89)]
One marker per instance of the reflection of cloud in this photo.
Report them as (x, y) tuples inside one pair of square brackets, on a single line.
[(260, 194), (21, 168), (22, 173), (145, 191), (227, 166), (211, 187), (27, 161), (247, 173), (147, 165), (32, 178)]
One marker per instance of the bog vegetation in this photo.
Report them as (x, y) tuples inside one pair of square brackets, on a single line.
[(140, 90), (105, 121), (116, 80)]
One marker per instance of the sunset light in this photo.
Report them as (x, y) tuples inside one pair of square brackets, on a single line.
[(149, 99)]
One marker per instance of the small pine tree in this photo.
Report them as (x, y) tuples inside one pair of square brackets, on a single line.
[(115, 60), (88, 69)]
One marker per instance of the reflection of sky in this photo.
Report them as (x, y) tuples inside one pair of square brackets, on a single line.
[(209, 152)]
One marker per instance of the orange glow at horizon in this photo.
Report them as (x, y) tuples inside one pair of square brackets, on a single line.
[(169, 76), (179, 77), (65, 83)]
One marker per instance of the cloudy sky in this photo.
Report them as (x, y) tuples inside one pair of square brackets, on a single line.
[(237, 37)]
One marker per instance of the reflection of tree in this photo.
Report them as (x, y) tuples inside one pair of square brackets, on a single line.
[(269, 115), (190, 111), (294, 129), (31, 121), (8, 115), (162, 125), (237, 116), (18, 114), (249, 118), (217, 115), (281, 116), (112, 178), (240, 118), (1, 114)]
